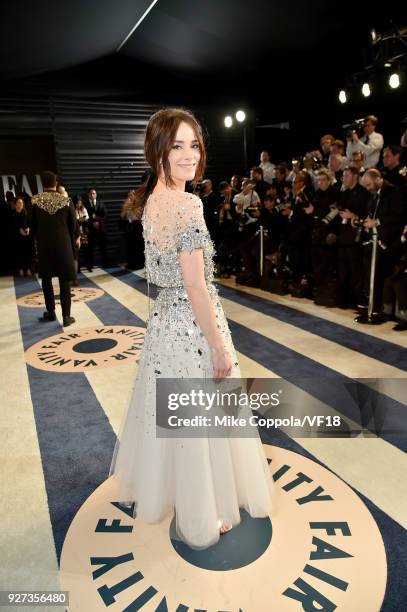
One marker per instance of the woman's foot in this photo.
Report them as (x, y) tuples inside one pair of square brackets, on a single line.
[(224, 526)]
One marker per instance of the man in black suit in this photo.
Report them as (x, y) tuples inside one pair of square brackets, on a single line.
[(54, 225), (261, 186), (97, 234), (385, 212), (393, 173), (353, 203), (210, 203)]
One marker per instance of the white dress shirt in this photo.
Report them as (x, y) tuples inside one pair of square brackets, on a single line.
[(370, 149), (268, 171), (243, 201)]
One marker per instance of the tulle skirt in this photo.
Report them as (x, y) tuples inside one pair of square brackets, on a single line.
[(202, 479)]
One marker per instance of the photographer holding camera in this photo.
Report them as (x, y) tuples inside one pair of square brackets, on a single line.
[(248, 206), (297, 235), (395, 286), (324, 224), (226, 233), (371, 143), (353, 206), (386, 213)]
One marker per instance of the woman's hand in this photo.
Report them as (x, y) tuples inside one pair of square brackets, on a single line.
[(221, 362)]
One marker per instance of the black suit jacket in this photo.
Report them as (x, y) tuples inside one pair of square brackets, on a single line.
[(97, 214), (389, 211)]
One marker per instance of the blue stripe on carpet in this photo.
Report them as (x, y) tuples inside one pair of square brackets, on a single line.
[(75, 437), (307, 374), (377, 348)]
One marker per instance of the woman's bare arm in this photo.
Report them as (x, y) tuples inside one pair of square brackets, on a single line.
[(192, 266)]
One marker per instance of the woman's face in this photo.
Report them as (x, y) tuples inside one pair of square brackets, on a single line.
[(184, 155), (19, 205)]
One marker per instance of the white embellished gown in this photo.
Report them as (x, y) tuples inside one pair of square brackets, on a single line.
[(202, 479)]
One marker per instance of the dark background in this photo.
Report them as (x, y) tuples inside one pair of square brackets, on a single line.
[(76, 99)]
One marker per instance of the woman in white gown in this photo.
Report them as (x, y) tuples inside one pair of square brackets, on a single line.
[(205, 480)]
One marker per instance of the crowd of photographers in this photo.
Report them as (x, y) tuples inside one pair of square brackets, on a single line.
[(307, 227)]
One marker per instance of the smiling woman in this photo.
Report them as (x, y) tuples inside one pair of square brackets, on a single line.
[(205, 479)]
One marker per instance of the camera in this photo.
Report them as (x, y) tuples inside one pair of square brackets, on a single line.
[(316, 162), (355, 126), (282, 205)]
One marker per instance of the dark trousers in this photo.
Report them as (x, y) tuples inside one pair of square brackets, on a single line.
[(64, 295), (350, 274), (96, 237), (323, 263), (395, 288), (299, 259)]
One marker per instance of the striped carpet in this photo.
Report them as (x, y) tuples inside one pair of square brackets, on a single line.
[(59, 429)]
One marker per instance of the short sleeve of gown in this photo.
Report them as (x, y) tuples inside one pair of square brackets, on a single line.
[(190, 227)]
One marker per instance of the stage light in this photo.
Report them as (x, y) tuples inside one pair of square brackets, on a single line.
[(342, 96), (240, 116), (373, 35), (366, 90), (228, 121), (394, 81)]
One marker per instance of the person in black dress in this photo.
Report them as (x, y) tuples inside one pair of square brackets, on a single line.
[(23, 243), (55, 228)]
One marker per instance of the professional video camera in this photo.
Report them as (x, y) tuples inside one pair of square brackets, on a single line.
[(355, 126)]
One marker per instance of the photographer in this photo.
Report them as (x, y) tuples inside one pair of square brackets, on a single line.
[(248, 206), (247, 197), (353, 201), (297, 235), (371, 143), (311, 163), (356, 161), (261, 186), (227, 231), (392, 172), (395, 286), (325, 144), (385, 212), (267, 166), (324, 227), (271, 219), (210, 203), (335, 164), (280, 180)]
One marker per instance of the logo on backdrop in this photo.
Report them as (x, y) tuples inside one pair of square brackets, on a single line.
[(20, 183), (78, 294), (87, 349), (319, 549)]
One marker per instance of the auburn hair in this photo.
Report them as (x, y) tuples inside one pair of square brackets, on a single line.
[(159, 138)]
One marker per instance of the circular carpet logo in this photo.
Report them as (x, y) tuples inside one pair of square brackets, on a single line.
[(319, 549), (104, 346), (78, 294)]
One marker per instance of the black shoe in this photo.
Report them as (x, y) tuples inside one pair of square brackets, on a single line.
[(47, 316), (401, 326), (68, 321)]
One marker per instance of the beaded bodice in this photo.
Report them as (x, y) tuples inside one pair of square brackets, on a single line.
[(173, 221)]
